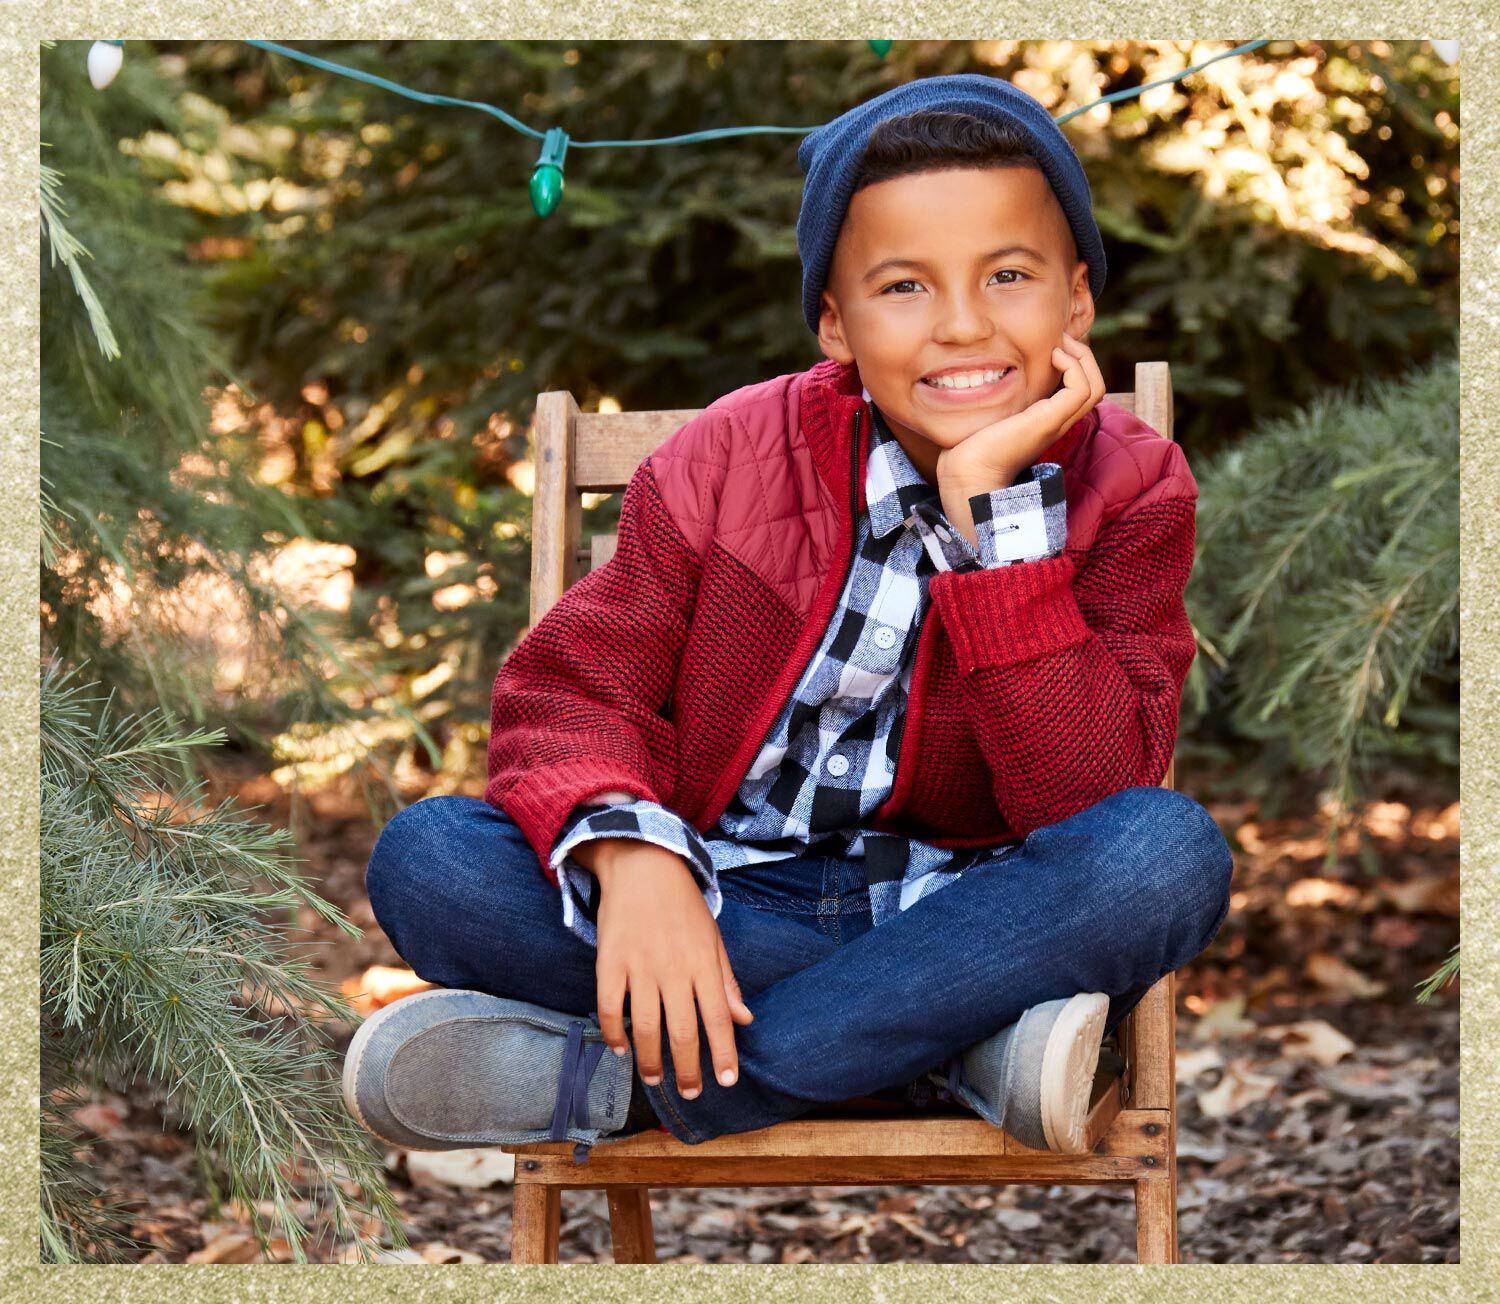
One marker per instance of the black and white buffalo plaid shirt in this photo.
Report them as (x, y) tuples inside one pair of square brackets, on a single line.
[(828, 762)]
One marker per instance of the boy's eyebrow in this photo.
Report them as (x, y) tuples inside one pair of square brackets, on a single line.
[(889, 264)]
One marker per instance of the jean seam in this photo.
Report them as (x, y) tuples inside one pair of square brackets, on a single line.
[(747, 896), (828, 910), (675, 1113), (772, 907)]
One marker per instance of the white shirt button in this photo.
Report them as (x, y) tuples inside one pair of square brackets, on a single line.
[(838, 765), (885, 636)]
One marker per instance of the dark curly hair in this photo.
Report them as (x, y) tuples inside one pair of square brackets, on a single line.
[(936, 139), (940, 140)]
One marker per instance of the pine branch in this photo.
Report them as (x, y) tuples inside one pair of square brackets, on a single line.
[(71, 252), (158, 962), (1440, 978)]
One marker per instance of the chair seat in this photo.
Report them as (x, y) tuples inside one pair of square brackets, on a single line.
[(862, 1141)]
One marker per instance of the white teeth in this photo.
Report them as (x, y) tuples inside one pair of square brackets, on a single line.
[(966, 379)]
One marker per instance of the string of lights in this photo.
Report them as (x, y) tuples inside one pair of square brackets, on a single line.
[(547, 182)]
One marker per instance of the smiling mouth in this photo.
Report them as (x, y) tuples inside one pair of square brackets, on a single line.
[(963, 391)]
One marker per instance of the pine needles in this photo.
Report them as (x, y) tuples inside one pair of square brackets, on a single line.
[(160, 960), (1327, 578)]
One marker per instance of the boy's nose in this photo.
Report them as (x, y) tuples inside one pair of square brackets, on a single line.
[(962, 319)]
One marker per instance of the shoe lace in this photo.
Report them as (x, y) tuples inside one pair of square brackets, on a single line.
[(572, 1107), (956, 1079)]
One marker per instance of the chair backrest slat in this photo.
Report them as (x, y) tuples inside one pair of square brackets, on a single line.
[(610, 445)]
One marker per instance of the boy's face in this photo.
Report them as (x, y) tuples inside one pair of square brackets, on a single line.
[(916, 287)]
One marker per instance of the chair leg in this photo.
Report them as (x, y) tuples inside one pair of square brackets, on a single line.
[(630, 1224), (536, 1214), (1156, 1218)]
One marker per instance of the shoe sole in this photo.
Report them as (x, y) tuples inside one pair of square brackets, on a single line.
[(356, 1052), (1068, 1064)]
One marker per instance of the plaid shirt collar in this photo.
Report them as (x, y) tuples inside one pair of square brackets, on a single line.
[(893, 486)]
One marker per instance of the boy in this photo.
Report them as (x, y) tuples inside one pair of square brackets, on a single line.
[(850, 755)]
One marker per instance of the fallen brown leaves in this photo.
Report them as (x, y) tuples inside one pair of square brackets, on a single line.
[(1317, 1099)]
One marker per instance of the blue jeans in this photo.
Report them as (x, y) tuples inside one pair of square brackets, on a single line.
[(1109, 900)]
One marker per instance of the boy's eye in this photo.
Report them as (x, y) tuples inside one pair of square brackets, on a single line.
[(1004, 271)]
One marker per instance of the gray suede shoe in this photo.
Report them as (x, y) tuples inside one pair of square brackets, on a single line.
[(1034, 1078), (449, 1069)]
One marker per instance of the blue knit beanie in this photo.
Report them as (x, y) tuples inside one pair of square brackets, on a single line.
[(830, 155)]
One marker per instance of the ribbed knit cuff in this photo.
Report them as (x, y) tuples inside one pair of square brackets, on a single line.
[(1009, 614), (541, 799)]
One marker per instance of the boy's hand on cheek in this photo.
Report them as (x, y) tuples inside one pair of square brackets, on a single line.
[(995, 454), (658, 941)]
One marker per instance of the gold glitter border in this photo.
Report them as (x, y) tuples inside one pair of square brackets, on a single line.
[(28, 23)]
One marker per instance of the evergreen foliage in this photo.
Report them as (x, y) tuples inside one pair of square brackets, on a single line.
[(163, 919), (1325, 594), (1283, 222), (149, 518), (162, 958)]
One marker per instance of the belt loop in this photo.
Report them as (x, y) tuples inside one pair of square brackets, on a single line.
[(832, 893)]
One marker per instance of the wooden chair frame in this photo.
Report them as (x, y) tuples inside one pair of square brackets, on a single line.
[(1132, 1123)]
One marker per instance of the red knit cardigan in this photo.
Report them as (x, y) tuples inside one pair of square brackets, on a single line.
[(1038, 689)]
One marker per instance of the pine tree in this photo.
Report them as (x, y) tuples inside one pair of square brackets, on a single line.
[(164, 964), (1327, 576), (160, 960), (1326, 586)]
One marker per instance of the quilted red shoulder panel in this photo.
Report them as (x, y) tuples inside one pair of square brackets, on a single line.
[(740, 475), (1124, 461)]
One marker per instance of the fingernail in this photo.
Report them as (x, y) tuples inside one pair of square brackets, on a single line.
[(619, 1050), (650, 1082), (727, 1077), (690, 1093)]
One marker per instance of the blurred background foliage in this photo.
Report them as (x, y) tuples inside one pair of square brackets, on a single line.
[(340, 306)]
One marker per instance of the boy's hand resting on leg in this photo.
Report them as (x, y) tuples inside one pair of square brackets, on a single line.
[(658, 941)]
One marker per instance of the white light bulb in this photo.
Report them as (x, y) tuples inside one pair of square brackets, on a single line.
[(1447, 50), (105, 59)]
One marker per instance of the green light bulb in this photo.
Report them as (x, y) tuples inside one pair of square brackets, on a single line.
[(547, 176), (546, 188)]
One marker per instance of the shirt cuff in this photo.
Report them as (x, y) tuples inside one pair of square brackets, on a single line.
[(1026, 520), (642, 819)]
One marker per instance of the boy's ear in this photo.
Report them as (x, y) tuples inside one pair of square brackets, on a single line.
[(1081, 311), (831, 331)]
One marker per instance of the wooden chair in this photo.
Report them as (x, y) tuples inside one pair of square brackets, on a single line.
[(1132, 1120)]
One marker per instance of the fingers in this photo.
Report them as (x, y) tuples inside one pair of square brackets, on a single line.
[(1090, 366), (1082, 382), (1067, 363), (720, 1029), (1093, 377), (645, 1026), (682, 1034), (1072, 398), (611, 998), (738, 1010)]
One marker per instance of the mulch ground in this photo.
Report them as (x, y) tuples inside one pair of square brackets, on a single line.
[(1318, 1101)]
